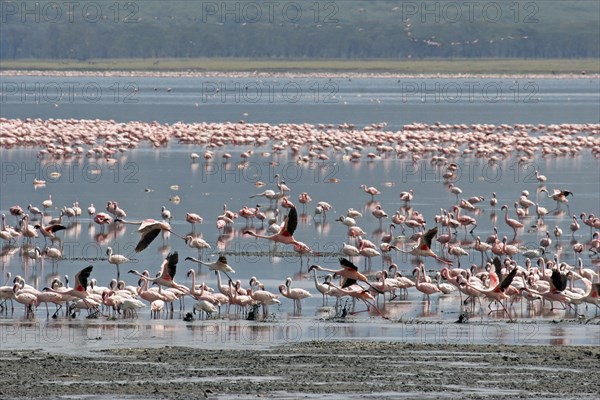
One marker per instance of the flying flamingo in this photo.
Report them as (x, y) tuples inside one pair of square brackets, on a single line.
[(513, 223), (166, 274), (295, 294), (423, 247), (219, 265), (149, 230), (48, 231), (286, 233), (497, 292), (348, 272), (80, 289), (560, 196)]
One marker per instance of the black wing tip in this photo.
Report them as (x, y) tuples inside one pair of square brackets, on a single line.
[(348, 282), (348, 264), (87, 269), (173, 257)]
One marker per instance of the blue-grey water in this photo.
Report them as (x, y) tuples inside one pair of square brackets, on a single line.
[(284, 99), (143, 180)]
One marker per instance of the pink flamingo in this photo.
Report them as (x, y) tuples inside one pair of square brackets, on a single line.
[(295, 294), (286, 233), (357, 292), (425, 287), (102, 219), (304, 198), (193, 219), (348, 272), (497, 292), (423, 247), (370, 190), (166, 274), (513, 223), (80, 289), (149, 230), (465, 220), (407, 196)]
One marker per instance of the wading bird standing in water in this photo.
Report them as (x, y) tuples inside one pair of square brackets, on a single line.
[(80, 289), (116, 259)]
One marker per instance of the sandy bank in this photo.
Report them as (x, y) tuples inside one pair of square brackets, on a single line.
[(330, 369)]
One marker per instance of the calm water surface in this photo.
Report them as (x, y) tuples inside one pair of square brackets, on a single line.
[(142, 182)]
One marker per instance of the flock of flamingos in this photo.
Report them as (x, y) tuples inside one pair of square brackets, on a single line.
[(507, 274)]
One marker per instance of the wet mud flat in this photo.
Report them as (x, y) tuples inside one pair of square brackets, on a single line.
[(327, 369)]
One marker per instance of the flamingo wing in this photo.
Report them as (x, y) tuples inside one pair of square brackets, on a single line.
[(595, 292), (147, 239), (222, 259), (508, 280), (498, 267), (55, 228), (558, 280), (170, 269), (347, 282), (290, 223), (81, 278), (428, 236), (348, 264)]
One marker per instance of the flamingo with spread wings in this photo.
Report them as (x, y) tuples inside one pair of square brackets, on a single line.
[(166, 274), (149, 230), (286, 233), (423, 247)]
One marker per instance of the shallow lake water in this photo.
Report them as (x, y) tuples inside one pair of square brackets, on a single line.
[(145, 179)]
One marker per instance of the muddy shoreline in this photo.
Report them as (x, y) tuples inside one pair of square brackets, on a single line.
[(348, 369)]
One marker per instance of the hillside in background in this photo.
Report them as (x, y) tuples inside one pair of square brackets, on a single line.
[(297, 30)]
